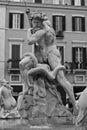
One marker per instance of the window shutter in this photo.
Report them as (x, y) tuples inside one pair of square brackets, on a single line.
[(83, 24), (64, 23), (72, 2), (38, 1), (82, 2), (74, 58), (21, 21), (73, 54), (84, 58), (10, 20), (54, 22), (73, 23)]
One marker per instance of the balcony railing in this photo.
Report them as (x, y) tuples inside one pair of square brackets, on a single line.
[(59, 34), (13, 66), (76, 67)]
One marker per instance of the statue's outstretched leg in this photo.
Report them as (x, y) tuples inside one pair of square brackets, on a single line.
[(54, 61), (80, 117), (68, 89)]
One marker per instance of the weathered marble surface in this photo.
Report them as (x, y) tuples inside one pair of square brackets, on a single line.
[(17, 124), (7, 101), (40, 99)]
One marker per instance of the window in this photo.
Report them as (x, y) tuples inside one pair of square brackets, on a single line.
[(15, 78), (61, 50), (78, 90), (15, 56), (78, 23), (38, 1), (16, 90), (16, 20), (58, 1), (78, 2), (59, 23), (79, 79), (79, 57), (16, 0)]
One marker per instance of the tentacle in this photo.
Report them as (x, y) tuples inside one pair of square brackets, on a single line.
[(57, 69), (42, 72)]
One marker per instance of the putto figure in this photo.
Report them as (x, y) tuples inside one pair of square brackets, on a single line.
[(42, 36)]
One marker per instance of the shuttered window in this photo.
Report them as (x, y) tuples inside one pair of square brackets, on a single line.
[(59, 23), (58, 2), (79, 57), (78, 2), (78, 23), (16, 20)]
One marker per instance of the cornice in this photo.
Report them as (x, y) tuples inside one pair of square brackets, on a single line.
[(16, 40), (44, 6)]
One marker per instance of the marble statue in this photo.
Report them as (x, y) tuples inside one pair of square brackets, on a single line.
[(39, 99), (42, 36), (41, 72), (7, 101), (81, 119)]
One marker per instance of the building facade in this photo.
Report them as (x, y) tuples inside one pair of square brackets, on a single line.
[(69, 19)]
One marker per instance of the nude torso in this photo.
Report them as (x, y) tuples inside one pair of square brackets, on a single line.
[(47, 43)]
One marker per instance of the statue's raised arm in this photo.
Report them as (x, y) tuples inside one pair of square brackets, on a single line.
[(48, 53)]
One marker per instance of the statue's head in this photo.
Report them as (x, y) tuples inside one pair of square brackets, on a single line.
[(38, 15), (37, 19), (28, 61)]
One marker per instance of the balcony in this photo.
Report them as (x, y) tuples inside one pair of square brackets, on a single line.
[(59, 34), (13, 66), (76, 67)]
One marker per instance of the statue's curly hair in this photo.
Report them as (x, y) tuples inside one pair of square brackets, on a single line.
[(36, 15)]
